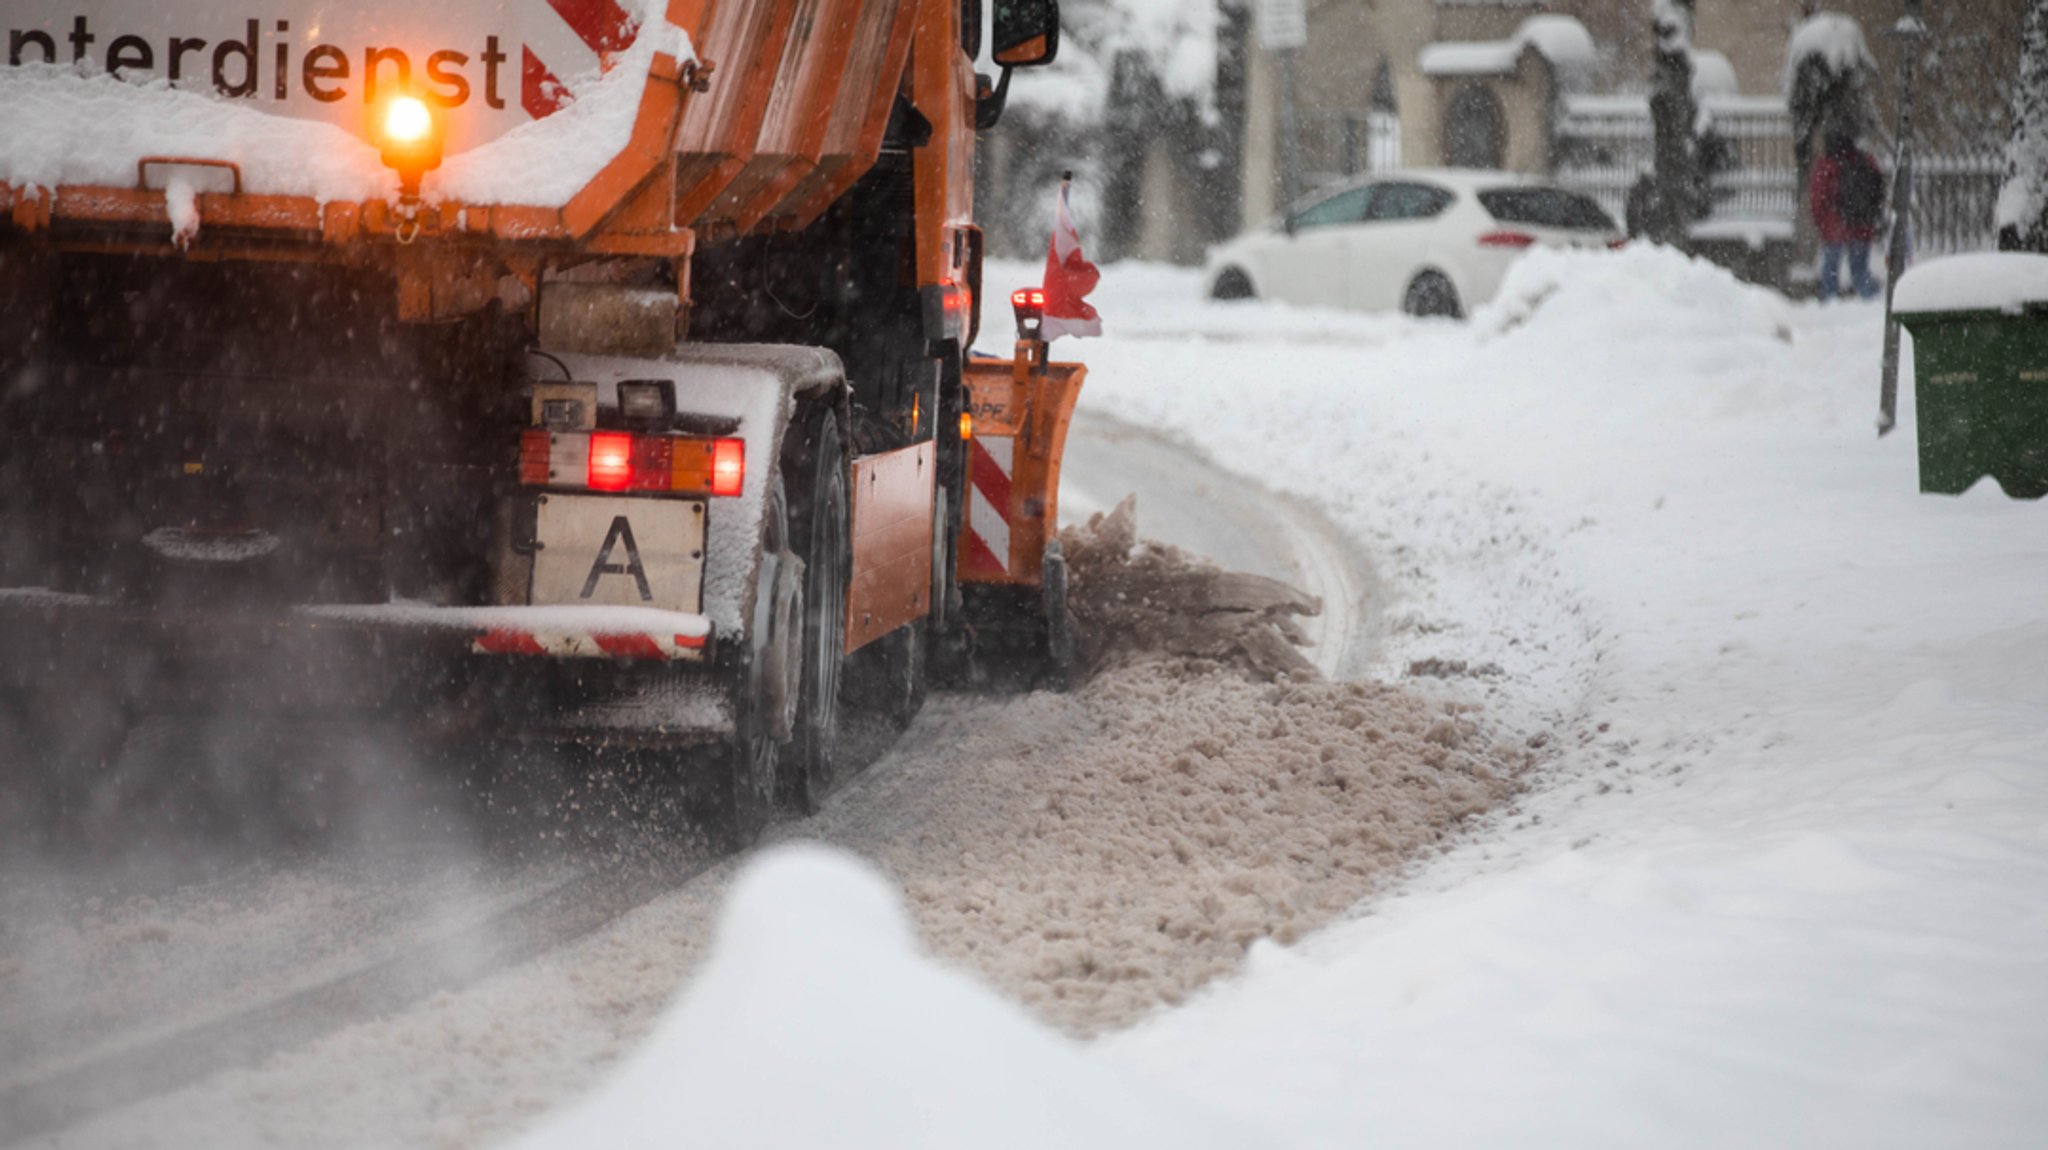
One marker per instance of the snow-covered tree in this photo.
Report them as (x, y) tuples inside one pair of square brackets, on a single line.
[(1676, 194), (1132, 76), (1830, 76), (2023, 202)]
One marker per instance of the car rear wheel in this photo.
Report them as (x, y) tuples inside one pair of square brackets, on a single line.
[(1430, 294), (1232, 283)]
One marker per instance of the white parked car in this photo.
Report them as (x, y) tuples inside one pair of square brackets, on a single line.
[(1430, 242)]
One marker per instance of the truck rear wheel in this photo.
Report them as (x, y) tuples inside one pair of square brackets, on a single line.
[(816, 467), (735, 788)]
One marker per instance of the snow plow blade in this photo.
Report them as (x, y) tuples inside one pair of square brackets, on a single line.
[(1013, 577)]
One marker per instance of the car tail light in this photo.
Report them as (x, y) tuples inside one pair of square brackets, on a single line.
[(1617, 244), (620, 461), (1506, 239)]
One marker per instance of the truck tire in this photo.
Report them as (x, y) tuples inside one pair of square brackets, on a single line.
[(735, 789), (815, 467)]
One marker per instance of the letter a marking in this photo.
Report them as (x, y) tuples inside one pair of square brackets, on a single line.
[(621, 532)]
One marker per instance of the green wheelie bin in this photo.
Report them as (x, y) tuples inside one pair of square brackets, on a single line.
[(1980, 370)]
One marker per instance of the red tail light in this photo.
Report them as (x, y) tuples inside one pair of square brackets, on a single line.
[(728, 466), (1506, 239), (611, 461), (1617, 244)]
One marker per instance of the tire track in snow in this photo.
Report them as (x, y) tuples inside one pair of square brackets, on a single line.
[(139, 1070)]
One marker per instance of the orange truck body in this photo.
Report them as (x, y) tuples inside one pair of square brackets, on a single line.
[(782, 110), (776, 123)]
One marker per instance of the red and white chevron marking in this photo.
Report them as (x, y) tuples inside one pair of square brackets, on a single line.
[(602, 25), (591, 644), (990, 465)]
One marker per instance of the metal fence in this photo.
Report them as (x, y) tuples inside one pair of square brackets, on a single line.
[(1961, 122), (1603, 145)]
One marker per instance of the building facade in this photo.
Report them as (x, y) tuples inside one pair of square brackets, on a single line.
[(1502, 83)]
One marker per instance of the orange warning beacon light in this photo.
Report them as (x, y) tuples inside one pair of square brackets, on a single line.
[(409, 142)]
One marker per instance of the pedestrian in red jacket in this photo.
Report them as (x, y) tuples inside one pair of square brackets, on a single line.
[(1848, 203)]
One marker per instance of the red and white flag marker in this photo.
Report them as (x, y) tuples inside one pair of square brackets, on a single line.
[(1069, 277)]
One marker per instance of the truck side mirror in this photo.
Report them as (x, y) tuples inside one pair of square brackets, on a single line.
[(1027, 32)]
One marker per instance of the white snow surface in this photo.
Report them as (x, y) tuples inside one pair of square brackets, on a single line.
[(818, 1022), (70, 127), (1834, 37), (1976, 281), (83, 126), (1561, 40), (1782, 886)]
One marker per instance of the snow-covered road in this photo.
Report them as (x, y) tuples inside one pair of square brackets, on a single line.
[(262, 924)]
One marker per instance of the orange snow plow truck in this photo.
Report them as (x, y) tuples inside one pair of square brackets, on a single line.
[(578, 370)]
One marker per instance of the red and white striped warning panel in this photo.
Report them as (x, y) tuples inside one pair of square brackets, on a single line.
[(601, 26), (592, 644), (990, 466)]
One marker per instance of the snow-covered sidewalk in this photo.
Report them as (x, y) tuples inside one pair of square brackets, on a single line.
[(1785, 886)]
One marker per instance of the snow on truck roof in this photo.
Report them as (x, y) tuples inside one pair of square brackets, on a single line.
[(88, 100)]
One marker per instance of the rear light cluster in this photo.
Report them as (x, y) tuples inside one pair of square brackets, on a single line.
[(1506, 239), (621, 461)]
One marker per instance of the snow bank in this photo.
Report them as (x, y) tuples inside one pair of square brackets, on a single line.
[(1978, 281), (816, 1022), (1561, 40), (1781, 886)]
